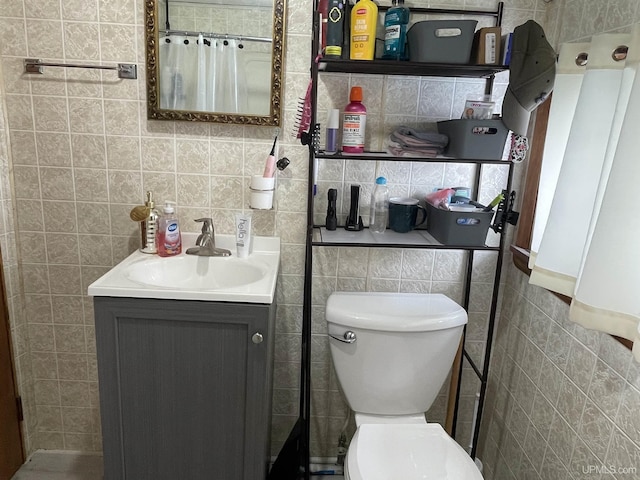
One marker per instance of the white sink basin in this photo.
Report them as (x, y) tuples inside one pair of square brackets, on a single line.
[(192, 277), (193, 272)]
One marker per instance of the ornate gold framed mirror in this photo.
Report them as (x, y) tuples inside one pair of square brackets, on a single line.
[(215, 60)]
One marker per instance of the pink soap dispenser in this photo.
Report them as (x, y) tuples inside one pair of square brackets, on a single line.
[(169, 239)]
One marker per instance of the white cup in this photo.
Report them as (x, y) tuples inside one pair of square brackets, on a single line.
[(261, 200), (261, 188), (258, 182)]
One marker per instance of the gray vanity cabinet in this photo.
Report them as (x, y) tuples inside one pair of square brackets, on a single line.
[(185, 388)]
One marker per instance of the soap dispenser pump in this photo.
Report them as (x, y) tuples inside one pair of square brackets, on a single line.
[(149, 226)]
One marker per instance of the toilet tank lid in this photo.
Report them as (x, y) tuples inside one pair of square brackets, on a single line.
[(394, 312)]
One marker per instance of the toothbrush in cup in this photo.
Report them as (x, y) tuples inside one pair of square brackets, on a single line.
[(270, 164)]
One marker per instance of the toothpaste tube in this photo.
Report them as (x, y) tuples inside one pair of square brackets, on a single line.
[(243, 234)]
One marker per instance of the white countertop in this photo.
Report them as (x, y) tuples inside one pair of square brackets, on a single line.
[(192, 277)]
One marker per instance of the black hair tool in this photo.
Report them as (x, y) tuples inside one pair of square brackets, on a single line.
[(331, 221), (354, 220)]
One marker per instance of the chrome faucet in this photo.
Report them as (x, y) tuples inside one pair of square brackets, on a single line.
[(206, 242)]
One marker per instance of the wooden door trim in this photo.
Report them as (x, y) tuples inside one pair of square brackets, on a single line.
[(7, 465)]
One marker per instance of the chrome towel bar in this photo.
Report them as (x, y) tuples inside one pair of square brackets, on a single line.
[(125, 70)]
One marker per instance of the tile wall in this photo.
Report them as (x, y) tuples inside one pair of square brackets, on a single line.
[(81, 153), (230, 19), (563, 401), (200, 17)]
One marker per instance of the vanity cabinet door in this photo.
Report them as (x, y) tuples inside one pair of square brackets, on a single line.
[(185, 388)]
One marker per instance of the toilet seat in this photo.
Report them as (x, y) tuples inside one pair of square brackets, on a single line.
[(408, 452)]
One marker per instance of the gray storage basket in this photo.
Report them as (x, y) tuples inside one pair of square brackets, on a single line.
[(474, 139), (441, 41), (458, 228)]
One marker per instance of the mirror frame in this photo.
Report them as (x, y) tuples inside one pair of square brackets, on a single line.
[(154, 112)]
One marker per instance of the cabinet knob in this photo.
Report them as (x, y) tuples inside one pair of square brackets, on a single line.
[(257, 338)]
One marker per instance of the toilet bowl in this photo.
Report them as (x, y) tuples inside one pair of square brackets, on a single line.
[(407, 452), (392, 353)]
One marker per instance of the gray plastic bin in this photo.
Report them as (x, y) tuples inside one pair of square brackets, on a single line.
[(466, 229), (441, 41), (474, 139)]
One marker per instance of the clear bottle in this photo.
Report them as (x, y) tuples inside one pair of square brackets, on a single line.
[(379, 206), (396, 21), (169, 239), (354, 121)]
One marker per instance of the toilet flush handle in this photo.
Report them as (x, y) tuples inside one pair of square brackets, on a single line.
[(348, 337)]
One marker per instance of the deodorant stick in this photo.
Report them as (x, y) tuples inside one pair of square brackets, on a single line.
[(333, 123)]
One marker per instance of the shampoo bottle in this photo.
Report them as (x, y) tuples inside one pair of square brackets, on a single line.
[(335, 22), (354, 121), (364, 17), (323, 10), (169, 239), (395, 31)]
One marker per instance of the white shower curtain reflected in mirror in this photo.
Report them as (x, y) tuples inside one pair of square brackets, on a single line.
[(201, 74)]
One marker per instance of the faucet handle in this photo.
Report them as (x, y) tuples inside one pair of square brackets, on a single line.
[(207, 225)]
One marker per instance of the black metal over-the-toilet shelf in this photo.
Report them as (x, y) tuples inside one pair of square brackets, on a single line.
[(297, 449)]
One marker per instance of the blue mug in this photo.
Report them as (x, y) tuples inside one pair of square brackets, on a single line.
[(403, 214)]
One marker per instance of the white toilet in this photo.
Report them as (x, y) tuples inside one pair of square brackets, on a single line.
[(392, 352)]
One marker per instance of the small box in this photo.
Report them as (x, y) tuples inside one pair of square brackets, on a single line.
[(474, 139), (441, 41), (486, 46), (462, 229)]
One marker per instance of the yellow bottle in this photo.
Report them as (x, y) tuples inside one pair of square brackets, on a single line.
[(364, 18)]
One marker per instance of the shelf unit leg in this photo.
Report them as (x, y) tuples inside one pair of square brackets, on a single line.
[(452, 402)]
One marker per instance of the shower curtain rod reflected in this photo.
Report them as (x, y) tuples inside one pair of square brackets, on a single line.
[(223, 36)]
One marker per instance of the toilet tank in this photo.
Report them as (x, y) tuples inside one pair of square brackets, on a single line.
[(404, 347)]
